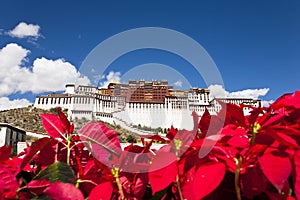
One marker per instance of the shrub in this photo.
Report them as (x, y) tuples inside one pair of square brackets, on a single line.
[(225, 156)]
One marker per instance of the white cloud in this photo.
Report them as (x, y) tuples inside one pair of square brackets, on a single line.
[(178, 83), (6, 103), (250, 93), (111, 77), (52, 75), (23, 30), (46, 75), (216, 91), (219, 91)]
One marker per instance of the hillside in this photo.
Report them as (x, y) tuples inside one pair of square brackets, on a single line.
[(28, 119)]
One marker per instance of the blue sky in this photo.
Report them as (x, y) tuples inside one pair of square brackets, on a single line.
[(254, 44)]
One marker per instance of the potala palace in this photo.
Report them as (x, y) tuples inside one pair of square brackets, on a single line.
[(153, 104)]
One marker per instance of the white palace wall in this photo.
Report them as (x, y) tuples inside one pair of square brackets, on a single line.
[(155, 115), (172, 112)]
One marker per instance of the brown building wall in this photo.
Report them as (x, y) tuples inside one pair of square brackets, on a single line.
[(141, 91)]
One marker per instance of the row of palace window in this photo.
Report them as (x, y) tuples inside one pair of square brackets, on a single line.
[(87, 89), (54, 100), (105, 97), (104, 115), (199, 97), (234, 101), (77, 100), (82, 112), (132, 105), (109, 104), (158, 106), (82, 100)]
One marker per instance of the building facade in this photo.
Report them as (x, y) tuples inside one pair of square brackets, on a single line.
[(10, 135), (152, 104)]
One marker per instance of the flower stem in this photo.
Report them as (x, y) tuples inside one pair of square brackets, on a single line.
[(68, 150), (115, 173), (237, 178), (120, 188), (179, 188), (178, 145)]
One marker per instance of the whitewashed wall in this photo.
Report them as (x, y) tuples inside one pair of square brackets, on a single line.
[(155, 116), (2, 136)]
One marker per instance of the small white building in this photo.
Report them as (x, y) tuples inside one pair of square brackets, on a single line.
[(11, 135)]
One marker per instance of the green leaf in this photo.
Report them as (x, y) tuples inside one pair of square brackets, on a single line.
[(58, 171), (160, 194)]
